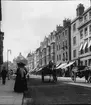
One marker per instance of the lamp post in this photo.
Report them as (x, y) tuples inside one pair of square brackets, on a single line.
[(7, 60)]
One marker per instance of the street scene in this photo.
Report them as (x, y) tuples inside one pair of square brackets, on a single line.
[(45, 52)]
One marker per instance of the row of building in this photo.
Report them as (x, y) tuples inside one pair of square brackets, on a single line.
[(69, 42), (1, 39)]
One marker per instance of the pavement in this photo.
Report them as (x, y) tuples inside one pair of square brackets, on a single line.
[(8, 96)]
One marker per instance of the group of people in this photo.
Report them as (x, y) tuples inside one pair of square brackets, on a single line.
[(20, 80)]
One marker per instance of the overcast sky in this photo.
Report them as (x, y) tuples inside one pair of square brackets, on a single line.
[(26, 23)]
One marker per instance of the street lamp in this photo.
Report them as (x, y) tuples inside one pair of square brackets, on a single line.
[(7, 60)]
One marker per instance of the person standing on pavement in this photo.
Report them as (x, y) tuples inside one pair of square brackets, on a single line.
[(3, 75), (20, 81)]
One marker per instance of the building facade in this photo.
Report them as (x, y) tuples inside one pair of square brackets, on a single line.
[(85, 37), (63, 42), (1, 39), (75, 38)]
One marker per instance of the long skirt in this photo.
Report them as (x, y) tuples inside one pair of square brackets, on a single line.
[(20, 85)]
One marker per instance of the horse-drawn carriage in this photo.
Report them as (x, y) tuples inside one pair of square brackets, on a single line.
[(81, 71), (48, 70)]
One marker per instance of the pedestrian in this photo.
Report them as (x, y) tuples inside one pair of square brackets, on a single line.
[(3, 75), (20, 81), (55, 73)]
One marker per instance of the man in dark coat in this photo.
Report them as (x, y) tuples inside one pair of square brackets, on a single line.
[(3, 75)]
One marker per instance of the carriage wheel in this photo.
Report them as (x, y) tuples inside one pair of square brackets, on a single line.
[(89, 79)]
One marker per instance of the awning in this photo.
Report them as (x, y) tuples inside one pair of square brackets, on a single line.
[(69, 64), (61, 66), (58, 64), (80, 47), (89, 44), (39, 69), (84, 46)]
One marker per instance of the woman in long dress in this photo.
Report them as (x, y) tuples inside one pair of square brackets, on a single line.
[(20, 81)]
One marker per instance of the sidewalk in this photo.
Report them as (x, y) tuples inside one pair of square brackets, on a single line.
[(8, 96)]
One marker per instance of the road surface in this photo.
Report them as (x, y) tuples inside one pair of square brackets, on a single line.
[(62, 92)]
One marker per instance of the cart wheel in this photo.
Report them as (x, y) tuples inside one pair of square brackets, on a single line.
[(89, 79)]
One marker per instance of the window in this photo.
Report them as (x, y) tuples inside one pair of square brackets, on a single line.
[(53, 46), (81, 34), (63, 57), (85, 31), (86, 62), (57, 47), (74, 53), (74, 40), (90, 15), (66, 43), (74, 27), (59, 37), (63, 45), (89, 62), (90, 29), (81, 62), (65, 32), (66, 56), (85, 18), (57, 57), (85, 48)]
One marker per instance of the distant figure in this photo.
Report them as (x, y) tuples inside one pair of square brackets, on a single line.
[(3, 75), (20, 81)]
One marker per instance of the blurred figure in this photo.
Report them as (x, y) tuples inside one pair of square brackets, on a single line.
[(3, 75), (20, 81)]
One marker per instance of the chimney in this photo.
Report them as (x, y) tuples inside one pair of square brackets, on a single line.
[(66, 22), (80, 9), (58, 27)]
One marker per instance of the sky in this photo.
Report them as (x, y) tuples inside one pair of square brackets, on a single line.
[(26, 23)]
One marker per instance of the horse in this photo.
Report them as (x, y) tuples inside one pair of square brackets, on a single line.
[(48, 71)]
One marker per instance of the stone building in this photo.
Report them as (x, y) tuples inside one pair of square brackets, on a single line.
[(85, 36), (1, 39), (63, 42), (75, 38)]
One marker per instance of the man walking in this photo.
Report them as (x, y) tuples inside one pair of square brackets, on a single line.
[(3, 75)]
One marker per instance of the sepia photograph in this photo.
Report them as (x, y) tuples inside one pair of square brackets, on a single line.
[(45, 52)]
